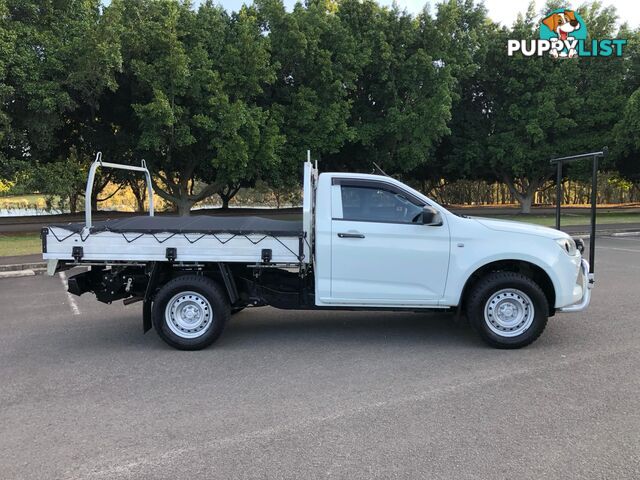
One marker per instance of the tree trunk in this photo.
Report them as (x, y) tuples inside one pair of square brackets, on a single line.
[(525, 202), (184, 206), (140, 204), (139, 193), (227, 194), (525, 194), (99, 186), (636, 187), (180, 192), (73, 203), (140, 198), (94, 200)]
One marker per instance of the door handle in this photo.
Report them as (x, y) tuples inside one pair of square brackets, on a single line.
[(351, 235)]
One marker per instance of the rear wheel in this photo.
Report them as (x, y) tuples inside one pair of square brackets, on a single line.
[(507, 309), (190, 312)]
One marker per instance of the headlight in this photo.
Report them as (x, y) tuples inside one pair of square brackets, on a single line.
[(568, 245)]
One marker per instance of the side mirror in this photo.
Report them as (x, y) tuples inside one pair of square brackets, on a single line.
[(431, 217)]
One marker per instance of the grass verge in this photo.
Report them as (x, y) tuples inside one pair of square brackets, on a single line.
[(574, 219), (19, 244)]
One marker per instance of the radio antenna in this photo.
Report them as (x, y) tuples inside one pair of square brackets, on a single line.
[(309, 159), (380, 169)]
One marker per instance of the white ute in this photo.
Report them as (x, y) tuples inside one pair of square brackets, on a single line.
[(364, 242)]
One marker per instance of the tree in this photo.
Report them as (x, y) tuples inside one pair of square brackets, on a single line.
[(194, 78), (35, 69), (316, 61), (515, 113), (401, 102), (64, 178), (601, 86), (627, 141), (95, 61), (531, 105), (7, 46), (631, 58), (64, 56), (463, 32)]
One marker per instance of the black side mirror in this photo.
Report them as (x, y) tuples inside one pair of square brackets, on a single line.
[(431, 217)]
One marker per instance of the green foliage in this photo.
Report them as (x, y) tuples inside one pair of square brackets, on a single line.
[(316, 60), (401, 100), (515, 113), (601, 86), (631, 58), (7, 47), (58, 59), (465, 33), (64, 56), (5, 186), (195, 78), (215, 101), (64, 178), (627, 136), (533, 104)]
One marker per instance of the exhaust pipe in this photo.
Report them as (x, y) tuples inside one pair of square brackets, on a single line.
[(130, 300)]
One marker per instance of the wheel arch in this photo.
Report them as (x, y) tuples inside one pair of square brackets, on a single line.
[(219, 272), (531, 270)]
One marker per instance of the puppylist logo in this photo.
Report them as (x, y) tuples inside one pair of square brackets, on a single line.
[(563, 34)]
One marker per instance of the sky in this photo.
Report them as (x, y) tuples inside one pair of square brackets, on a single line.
[(503, 11)]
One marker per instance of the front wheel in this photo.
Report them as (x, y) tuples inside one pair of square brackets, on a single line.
[(507, 309), (190, 312)]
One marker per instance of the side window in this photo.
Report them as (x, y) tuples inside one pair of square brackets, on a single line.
[(377, 204)]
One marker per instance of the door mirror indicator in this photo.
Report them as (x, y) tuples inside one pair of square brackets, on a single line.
[(431, 217)]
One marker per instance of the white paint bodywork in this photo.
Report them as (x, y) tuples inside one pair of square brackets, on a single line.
[(425, 266), (395, 265)]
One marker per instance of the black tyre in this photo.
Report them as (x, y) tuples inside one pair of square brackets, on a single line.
[(507, 309), (190, 312)]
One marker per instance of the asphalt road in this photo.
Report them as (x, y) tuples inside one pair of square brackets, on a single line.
[(288, 395)]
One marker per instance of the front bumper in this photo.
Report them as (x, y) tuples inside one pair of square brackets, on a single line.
[(587, 281)]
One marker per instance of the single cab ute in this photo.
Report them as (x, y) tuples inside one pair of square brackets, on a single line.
[(365, 242)]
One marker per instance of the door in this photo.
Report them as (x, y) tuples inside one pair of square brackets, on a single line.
[(381, 254)]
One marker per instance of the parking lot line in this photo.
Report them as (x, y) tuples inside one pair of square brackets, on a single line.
[(619, 249), (72, 302)]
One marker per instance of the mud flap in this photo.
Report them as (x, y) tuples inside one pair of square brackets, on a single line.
[(156, 268)]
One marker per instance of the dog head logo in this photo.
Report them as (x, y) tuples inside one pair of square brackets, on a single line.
[(564, 28), (563, 34), (563, 23)]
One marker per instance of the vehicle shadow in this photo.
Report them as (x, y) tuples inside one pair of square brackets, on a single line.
[(374, 329), (269, 329)]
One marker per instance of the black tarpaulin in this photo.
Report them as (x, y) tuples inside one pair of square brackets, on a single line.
[(239, 225)]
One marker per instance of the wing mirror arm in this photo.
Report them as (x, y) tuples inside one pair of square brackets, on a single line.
[(431, 217)]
